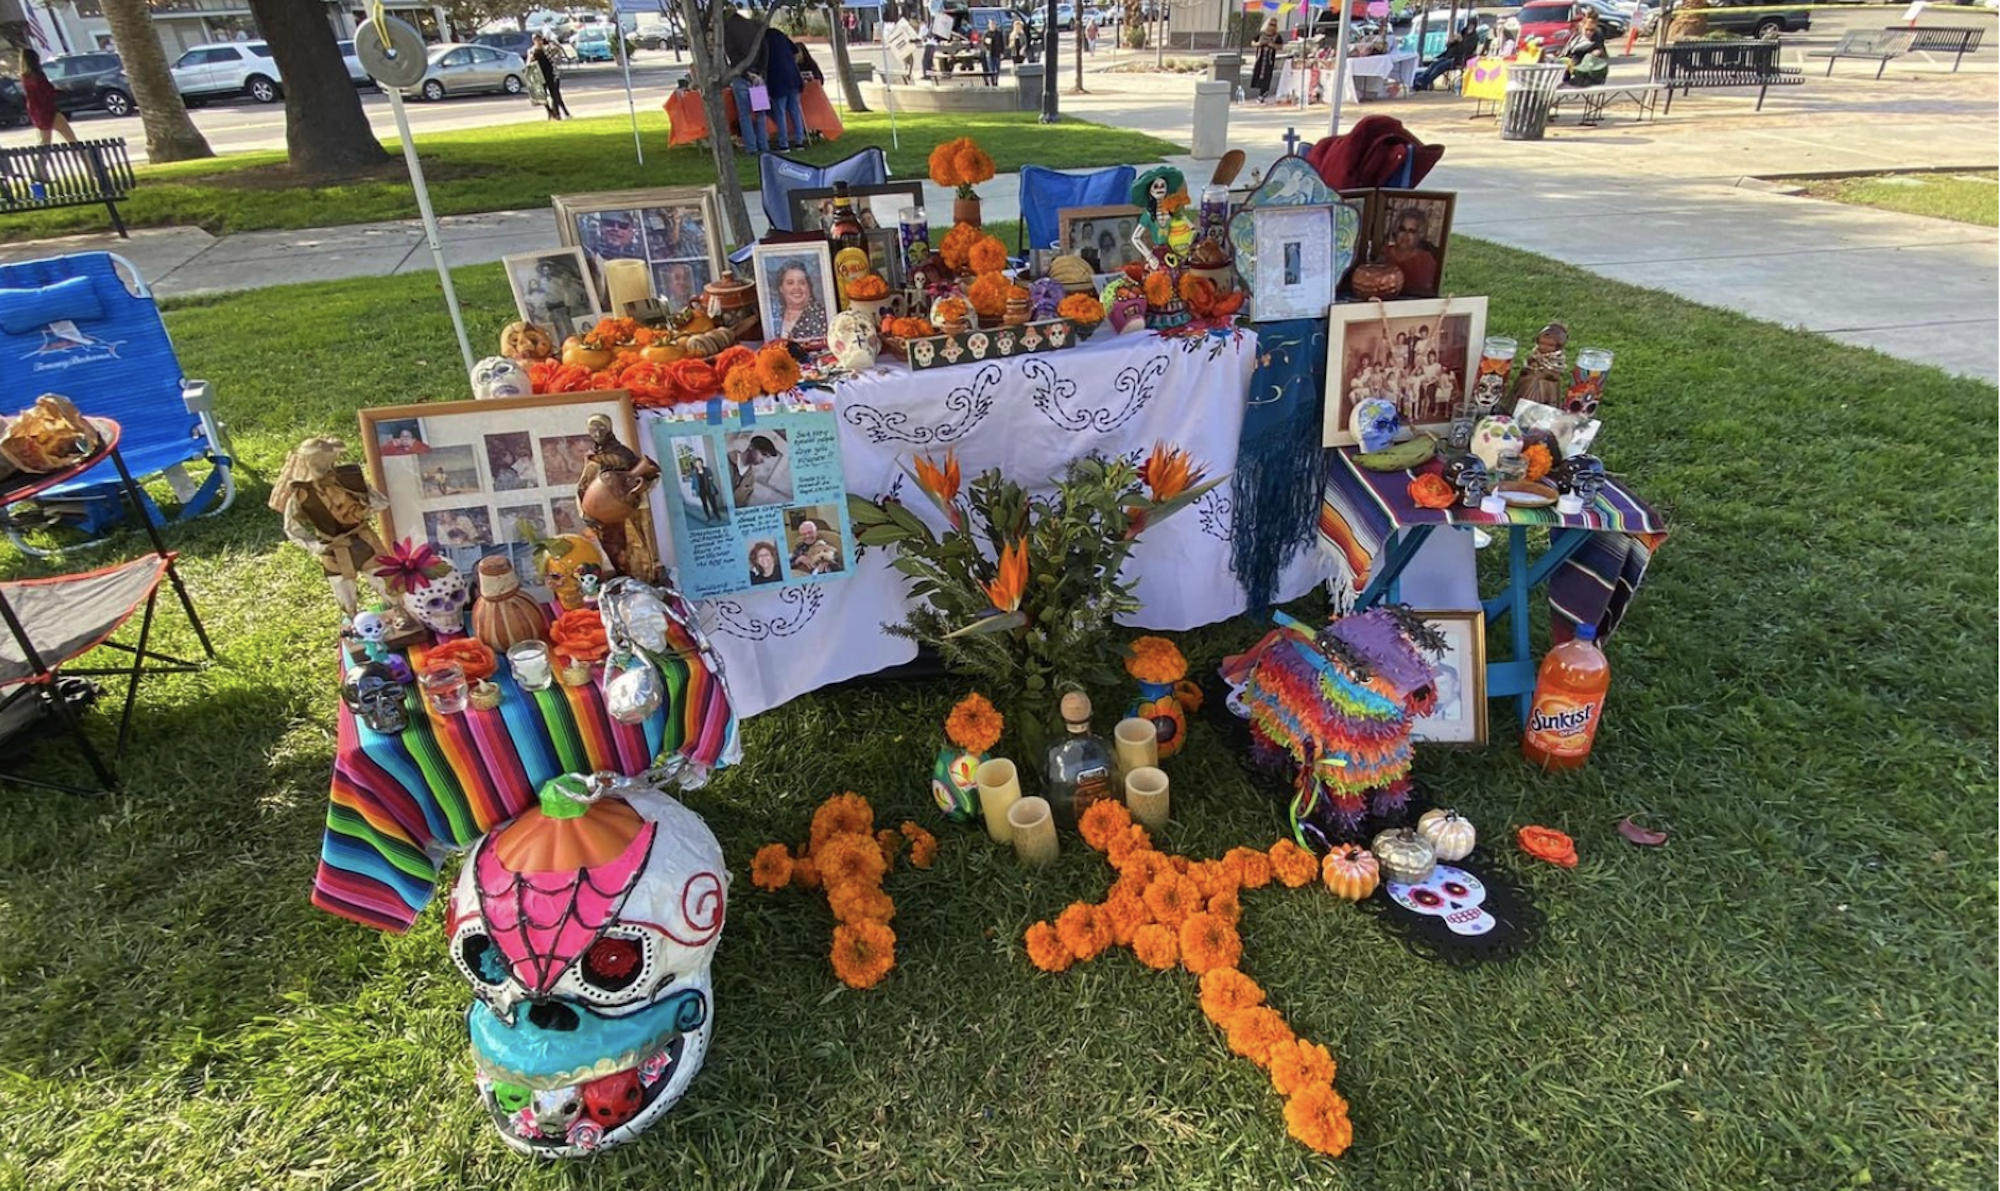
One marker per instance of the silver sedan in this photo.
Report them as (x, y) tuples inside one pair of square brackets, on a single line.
[(468, 69)]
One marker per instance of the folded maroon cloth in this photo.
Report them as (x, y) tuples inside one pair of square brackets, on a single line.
[(1370, 153)]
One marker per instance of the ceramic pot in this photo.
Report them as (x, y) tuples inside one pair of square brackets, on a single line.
[(966, 210), (1376, 279), (731, 302), (504, 615)]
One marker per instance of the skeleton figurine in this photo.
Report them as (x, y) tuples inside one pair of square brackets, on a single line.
[(327, 508), (376, 698), (369, 629), (612, 494)]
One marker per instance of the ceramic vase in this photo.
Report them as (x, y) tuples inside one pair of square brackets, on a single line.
[(504, 615), (966, 210), (1159, 703), (955, 783)]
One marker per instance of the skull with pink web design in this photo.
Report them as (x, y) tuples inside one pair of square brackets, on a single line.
[(587, 927)]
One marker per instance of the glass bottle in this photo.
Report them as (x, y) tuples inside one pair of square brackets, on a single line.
[(845, 230), (1079, 769)]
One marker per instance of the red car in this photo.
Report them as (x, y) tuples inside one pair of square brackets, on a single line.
[(1549, 20)]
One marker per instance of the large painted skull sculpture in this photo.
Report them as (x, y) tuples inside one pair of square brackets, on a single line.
[(587, 927)]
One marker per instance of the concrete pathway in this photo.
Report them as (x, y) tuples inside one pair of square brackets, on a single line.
[(1661, 204)]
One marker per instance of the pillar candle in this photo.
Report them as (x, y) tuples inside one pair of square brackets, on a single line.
[(626, 281), (999, 790), (1146, 797), (1138, 744), (1034, 830)]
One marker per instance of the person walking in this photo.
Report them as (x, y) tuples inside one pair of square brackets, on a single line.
[(40, 96), (744, 43), (1264, 72), (785, 84), (989, 44), (544, 59)]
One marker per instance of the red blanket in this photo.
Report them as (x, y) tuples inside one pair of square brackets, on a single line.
[(1370, 154)]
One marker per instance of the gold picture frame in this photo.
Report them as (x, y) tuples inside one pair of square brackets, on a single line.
[(1460, 718)]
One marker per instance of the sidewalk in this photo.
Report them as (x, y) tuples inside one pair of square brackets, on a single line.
[(1658, 205)]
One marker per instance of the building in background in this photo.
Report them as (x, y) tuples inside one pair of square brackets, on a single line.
[(79, 25)]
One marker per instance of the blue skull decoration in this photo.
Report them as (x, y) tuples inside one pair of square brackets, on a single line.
[(1467, 474), (1374, 423)]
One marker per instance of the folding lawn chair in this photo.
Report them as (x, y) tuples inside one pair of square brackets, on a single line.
[(53, 621), (74, 325), (1045, 192), (779, 176)]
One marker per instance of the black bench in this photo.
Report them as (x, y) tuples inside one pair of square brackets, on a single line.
[(1685, 65), (1940, 40), (1879, 45), (43, 177)]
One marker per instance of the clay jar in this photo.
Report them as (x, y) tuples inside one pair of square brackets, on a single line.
[(504, 615)]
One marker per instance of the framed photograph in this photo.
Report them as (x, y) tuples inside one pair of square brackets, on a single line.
[(1100, 235), (1411, 229), (795, 286), (475, 478), (676, 230), (1296, 265), (1418, 354), (553, 290), (879, 206), (1460, 716), (885, 254)]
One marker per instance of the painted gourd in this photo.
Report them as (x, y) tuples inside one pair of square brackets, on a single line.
[(1351, 871), (1451, 837), (504, 616)]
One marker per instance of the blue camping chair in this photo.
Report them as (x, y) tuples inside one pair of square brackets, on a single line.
[(75, 325), (779, 176), (1045, 192)]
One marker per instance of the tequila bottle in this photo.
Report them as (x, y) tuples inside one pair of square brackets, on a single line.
[(1079, 769)]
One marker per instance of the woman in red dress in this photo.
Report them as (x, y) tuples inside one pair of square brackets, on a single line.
[(41, 98)]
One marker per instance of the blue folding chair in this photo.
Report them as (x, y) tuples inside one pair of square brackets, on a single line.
[(779, 176), (86, 326), (1045, 192)]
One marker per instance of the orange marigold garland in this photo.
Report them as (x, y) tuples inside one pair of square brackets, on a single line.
[(1293, 865)]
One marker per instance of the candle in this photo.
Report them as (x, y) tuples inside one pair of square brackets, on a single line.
[(626, 281), (1496, 362), (999, 789), (444, 688), (1586, 389), (1214, 206), (1146, 797), (1137, 744), (530, 660), (1034, 831)]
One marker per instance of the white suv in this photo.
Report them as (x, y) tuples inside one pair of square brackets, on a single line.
[(225, 69)]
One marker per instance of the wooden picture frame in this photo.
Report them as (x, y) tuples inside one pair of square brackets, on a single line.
[(553, 290), (878, 204), (675, 230), (1423, 262), (1460, 718), (1081, 233), (1383, 349), (464, 475), (768, 262)]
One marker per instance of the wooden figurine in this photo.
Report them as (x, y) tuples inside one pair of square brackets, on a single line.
[(328, 512), (612, 494)]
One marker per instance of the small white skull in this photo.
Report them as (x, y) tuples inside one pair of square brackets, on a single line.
[(1451, 894), (853, 340), (371, 627), (440, 604), (498, 376)]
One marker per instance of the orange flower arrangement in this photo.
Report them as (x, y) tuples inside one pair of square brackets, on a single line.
[(579, 636), (848, 858), (974, 725), (961, 164), (742, 386), (1546, 843), (776, 370), (953, 310), (1125, 914), (1225, 992), (1172, 897), (1159, 288), (1293, 865), (989, 293), (956, 247), (1081, 308), (697, 379), (1156, 659), (1317, 1116), (609, 333), (987, 255), (1252, 1033), (731, 358), (469, 654), (652, 385), (1209, 943), (869, 287), (908, 328), (1537, 457), (1102, 820), (1251, 868)]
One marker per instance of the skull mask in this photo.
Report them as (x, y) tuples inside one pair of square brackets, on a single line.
[(1451, 894), (440, 604), (498, 376), (587, 927), (372, 693)]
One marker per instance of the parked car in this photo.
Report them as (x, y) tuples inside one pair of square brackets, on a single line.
[(592, 43), (227, 69), (13, 104), (90, 82), (658, 36), (1547, 20), (461, 69), (1065, 17), (355, 73), (1763, 24), (511, 41)]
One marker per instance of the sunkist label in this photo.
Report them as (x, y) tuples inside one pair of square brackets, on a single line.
[(1562, 726)]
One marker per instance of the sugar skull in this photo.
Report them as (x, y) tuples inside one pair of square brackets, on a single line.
[(564, 561), (376, 698), (1468, 475), (923, 351), (1448, 893), (498, 376), (1581, 475), (440, 603), (1374, 423), (853, 340), (587, 927), (1495, 437), (977, 343)]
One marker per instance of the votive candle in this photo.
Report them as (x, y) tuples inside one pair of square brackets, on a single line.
[(1146, 797), (999, 789), (1034, 831), (530, 660)]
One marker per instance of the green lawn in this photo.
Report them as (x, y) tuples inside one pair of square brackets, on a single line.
[(1964, 197), (517, 166), (1796, 991)]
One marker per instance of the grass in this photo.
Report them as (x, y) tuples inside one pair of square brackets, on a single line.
[(1797, 991), (517, 166), (1962, 197)]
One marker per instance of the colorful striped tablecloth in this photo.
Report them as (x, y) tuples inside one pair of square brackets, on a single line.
[(402, 803), (1361, 509)]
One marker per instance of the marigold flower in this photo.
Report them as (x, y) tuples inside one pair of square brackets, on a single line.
[(1125, 913), (1105, 818), (1123, 845), (1046, 951), (1081, 308), (841, 813), (863, 953), (1298, 1065), (1083, 931), (1172, 897), (850, 858), (1155, 659), (1317, 1116), (1212, 876), (974, 725), (869, 287), (1293, 865), (956, 247), (732, 358), (742, 386), (1226, 992), (944, 164), (1226, 906), (988, 295), (1156, 946), (1536, 456), (859, 902), (771, 867), (1254, 1031), (1252, 868), (1159, 288), (988, 255), (1208, 943), (776, 370), (805, 872), (891, 842), (1145, 864), (923, 845)]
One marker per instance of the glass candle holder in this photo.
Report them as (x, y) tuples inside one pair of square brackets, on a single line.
[(1146, 797), (999, 789), (530, 660), (1136, 741), (1214, 206), (912, 227), (1586, 386), (1496, 364), (444, 688), (1034, 828)]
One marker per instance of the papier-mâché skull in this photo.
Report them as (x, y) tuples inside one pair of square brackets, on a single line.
[(587, 927), (498, 376), (854, 340), (440, 604)]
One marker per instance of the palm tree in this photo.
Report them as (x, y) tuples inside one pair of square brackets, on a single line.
[(170, 134)]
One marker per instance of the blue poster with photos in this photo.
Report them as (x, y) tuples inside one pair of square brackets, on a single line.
[(753, 502)]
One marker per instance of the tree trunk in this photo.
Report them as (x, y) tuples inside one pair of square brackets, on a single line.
[(170, 135), (1076, 35), (843, 62), (704, 20), (326, 133)]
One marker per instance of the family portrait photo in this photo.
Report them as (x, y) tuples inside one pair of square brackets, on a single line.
[(552, 290), (1460, 714), (450, 471), (469, 525), (878, 206), (1100, 235), (812, 534), (1417, 357), (564, 458), (760, 467), (510, 460), (703, 502), (1412, 231), (795, 284), (401, 436)]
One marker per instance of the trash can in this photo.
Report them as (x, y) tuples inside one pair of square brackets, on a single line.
[(1226, 67), (1531, 92), (1028, 77)]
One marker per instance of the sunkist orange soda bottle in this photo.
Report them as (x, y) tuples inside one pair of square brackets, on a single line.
[(1569, 703)]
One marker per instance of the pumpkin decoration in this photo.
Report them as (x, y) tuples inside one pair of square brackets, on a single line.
[(1405, 857), (665, 352), (1351, 871), (504, 616), (1449, 836), (526, 341), (576, 351)]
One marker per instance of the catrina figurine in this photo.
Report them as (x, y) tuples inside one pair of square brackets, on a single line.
[(1162, 234)]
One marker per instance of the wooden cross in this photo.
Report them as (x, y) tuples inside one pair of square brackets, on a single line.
[(1291, 141)]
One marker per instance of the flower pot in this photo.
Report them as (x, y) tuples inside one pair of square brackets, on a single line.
[(966, 210)]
